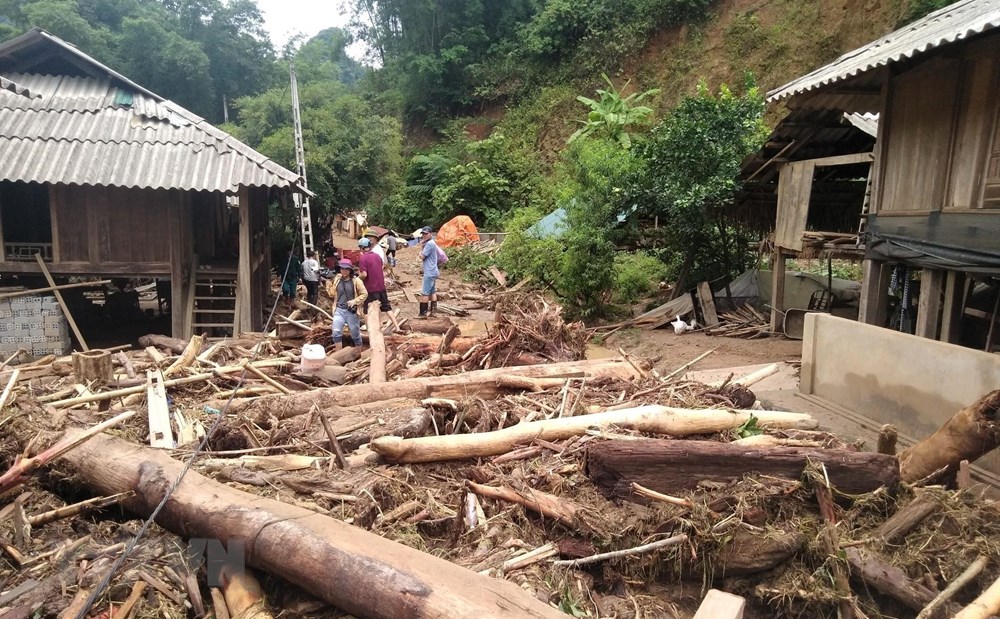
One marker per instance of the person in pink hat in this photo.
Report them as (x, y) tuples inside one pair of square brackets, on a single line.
[(348, 293)]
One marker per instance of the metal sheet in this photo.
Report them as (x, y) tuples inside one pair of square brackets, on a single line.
[(955, 22)]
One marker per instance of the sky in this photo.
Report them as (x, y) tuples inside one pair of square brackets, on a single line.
[(285, 18)]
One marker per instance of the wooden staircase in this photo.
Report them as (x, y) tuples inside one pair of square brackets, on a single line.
[(214, 306)]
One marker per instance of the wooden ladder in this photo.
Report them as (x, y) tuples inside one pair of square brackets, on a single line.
[(214, 310)]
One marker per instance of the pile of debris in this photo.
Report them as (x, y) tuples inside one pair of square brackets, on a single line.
[(566, 486)]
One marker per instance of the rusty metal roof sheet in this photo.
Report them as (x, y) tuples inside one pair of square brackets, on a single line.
[(955, 22), (87, 131)]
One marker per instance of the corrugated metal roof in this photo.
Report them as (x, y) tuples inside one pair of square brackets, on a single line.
[(948, 25), (14, 87), (80, 130)]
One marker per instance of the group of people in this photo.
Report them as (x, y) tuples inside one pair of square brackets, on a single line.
[(357, 286)]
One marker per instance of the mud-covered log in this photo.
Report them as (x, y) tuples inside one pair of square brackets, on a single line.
[(887, 579), (973, 432), (750, 552), (172, 344), (330, 559), (907, 518), (673, 467)]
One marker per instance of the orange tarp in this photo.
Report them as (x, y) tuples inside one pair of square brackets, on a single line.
[(457, 232)]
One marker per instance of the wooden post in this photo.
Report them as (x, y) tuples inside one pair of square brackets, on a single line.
[(874, 293), (62, 303), (244, 282), (954, 303), (777, 290), (181, 272), (929, 303)]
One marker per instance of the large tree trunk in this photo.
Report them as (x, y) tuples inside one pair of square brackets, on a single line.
[(334, 561), (426, 345), (658, 419), (481, 383), (972, 433), (676, 466), (429, 325)]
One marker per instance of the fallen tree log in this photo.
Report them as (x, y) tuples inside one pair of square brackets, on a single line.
[(481, 383), (887, 579), (676, 466), (429, 325), (411, 583), (376, 370), (563, 511), (749, 552), (658, 419), (897, 526), (426, 345), (172, 344), (970, 434)]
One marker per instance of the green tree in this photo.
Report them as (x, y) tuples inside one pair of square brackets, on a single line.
[(692, 163)]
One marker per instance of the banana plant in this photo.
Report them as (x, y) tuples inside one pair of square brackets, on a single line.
[(613, 114)]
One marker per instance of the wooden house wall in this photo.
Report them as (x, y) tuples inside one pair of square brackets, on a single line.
[(110, 230), (940, 135)]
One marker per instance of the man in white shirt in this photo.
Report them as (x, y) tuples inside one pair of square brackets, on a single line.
[(310, 276), (376, 248)]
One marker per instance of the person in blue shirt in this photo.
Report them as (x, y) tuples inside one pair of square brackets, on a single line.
[(429, 256)]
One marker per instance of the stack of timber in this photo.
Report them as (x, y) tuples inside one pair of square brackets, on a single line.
[(745, 322), (514, 491)]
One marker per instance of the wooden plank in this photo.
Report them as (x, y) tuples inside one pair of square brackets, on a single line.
[(929, 303), (721, 605), (874, 293), (971, 144), (954, 302), (62, 303), (159, 269), (54, 226), (410, 296), (499, 275), (841, 160), (706, 301), (680, 306), (778, 290), (160, 435), (794, 189)]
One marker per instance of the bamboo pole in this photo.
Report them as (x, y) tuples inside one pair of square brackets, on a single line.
[(194, 378), (62, 303), (657, 419), (987, 604)]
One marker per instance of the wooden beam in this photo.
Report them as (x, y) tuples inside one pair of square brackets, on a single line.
[(181, 251), (778, 290), (874, 293), (929, 303), (244, 282), (97, 269), (62, 303), (842, 160), (31, 291)]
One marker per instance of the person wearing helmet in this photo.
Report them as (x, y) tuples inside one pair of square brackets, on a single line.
[(429, 256), (348, 292)]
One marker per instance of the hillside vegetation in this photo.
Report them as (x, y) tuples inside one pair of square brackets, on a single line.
[(471, 106)]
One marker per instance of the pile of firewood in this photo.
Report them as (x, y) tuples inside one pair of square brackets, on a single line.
[(564, 486), (745, 322)]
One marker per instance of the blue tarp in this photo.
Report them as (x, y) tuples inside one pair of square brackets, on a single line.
[(552, 225)]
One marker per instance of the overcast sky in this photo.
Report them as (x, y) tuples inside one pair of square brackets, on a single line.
[(285, 18)]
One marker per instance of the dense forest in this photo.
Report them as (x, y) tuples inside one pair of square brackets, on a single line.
[(619, 112)]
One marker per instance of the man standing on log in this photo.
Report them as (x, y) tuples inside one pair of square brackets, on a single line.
[(310, 276), (348, 292), (429, 256)]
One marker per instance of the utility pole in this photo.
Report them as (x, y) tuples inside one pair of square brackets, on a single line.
[(301, 201)]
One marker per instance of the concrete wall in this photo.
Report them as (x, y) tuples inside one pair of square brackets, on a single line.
[(34, 323), (912, 382)]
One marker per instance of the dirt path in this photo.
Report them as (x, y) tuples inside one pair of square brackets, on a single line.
[(670, 351)]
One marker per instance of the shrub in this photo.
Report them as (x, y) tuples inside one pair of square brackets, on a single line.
[(637, 274)]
